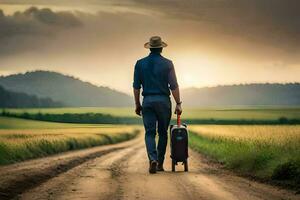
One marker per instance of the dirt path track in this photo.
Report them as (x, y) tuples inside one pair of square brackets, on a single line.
[(120, 172)]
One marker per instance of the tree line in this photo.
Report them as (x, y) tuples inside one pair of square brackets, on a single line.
[(98, 118), (9, 99)]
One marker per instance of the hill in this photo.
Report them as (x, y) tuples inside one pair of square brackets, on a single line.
[(21, 100), (69, 90), (244, 95), (73, 92)]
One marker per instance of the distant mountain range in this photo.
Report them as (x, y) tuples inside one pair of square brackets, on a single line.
[(21, 100), (71, 91), (66, 89), (244, 95)]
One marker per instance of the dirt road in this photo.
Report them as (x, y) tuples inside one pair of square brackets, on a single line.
[(120, 172)]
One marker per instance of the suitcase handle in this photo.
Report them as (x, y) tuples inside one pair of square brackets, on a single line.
[(178, 120)]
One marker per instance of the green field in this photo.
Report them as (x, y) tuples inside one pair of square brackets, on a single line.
[(26, 139), (16, 123), (258, 113), (267, 152)]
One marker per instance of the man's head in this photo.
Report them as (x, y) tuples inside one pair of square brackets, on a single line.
[(155, 42)]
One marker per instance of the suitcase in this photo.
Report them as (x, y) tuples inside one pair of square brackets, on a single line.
[(179, 144)]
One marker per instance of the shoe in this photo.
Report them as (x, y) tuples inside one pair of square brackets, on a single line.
[(152, 168), (160, 167)]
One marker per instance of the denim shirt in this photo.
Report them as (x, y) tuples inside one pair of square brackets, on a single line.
[(155, 74)]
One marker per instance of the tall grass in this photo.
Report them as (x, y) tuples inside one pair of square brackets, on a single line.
[(267, 152), (19, 146)]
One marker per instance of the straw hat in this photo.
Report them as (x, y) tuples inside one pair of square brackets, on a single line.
[(155, 42)]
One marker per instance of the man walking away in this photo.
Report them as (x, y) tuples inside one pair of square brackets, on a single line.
[(157, 76)]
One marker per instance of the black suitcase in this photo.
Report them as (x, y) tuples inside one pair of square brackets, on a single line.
[(179, 144)]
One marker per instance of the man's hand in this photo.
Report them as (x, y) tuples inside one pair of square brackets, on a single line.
[(178, 109), (138, 109)]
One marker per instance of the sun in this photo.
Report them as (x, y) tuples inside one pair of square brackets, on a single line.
[(195, 69)]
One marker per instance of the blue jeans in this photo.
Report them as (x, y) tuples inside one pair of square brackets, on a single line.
[(156, 117)]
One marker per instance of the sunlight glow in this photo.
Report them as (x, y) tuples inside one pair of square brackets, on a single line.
[(195, 69)]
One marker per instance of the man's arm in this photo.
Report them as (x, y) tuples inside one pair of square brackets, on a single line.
[(175, 89), (176, 95), (138, 107), (137, 89)]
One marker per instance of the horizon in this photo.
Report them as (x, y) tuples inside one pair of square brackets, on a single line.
[(99, 42), (129, 93)]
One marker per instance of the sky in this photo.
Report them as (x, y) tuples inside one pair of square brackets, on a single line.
[(211, 42)]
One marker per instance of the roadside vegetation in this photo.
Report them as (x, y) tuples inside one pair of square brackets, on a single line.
[(25, 142), (82, 118), (229, 113), (253, 115), (266, 152), (18, 123)]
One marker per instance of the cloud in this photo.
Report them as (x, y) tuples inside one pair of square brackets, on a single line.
[(24, 29), (274, 23), (212, 41), (271, 22)]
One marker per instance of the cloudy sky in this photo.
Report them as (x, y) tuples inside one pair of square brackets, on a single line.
[(211, 42)]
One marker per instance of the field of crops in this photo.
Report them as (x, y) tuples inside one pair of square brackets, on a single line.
[(267, 152), (26, 139), (259, 113)]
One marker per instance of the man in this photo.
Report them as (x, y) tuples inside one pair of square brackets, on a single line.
[(157, 76)]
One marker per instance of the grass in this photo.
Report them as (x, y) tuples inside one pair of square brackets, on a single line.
[(266, 152), (82, 118), (115, 111), (27, 139), (230, 113), (17, 123)]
